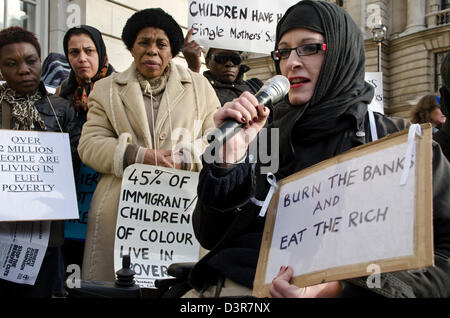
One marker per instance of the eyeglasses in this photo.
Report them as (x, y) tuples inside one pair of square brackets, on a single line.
[(222, 58), (302, 50)]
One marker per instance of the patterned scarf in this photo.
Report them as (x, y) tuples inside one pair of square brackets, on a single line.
[(84, 88), (154, 86), (24, 112)]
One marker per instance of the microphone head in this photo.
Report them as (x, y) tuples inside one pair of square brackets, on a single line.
[(277, 87)]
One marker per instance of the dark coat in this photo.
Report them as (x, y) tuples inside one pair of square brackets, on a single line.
[(227, 92), (227, 222), (443, 135)]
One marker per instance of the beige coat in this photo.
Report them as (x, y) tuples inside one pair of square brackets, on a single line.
[(116, 118)]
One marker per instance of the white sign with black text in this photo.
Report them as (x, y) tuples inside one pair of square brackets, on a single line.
[(154, 221), (376, 80), (36, 176), (244, 25), (22, 250)]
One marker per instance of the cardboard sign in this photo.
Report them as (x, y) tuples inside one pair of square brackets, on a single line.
[(36, 176), (376, 80), (245, 25), (154, 221), (332, 220)]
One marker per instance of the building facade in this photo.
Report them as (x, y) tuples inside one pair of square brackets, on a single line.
[(417, 37)]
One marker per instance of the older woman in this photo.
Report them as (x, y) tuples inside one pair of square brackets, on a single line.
[(132, 118), (321, 51), (26, 105)]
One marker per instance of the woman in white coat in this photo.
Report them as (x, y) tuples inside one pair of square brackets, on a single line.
[(156, 112)]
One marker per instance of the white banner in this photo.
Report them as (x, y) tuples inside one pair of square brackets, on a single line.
[(36, 176), (154, 221), (22, 250), (242, 25), (376, 80)]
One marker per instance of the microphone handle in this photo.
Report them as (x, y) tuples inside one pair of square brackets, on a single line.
[(231, 127)]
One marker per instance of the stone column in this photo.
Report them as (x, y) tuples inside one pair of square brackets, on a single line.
[(433, 7), (415, 17)]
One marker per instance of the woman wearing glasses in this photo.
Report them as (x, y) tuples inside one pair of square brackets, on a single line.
[(321, 51)]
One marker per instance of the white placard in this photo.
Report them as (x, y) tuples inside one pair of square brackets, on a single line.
[(336, 217), (376, 80), (36, 176), (154, 221), (242, 25), (22, 250)]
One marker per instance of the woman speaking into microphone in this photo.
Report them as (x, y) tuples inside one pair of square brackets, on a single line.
[(320, 49)]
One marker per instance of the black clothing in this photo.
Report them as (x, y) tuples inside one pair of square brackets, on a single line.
[(333, 121), (227, 92), (443, 135)]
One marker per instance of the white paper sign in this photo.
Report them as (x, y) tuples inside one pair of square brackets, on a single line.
[(22, 250), (242, 25), (334, 217), (376, 80), (154, 221), (36, 176)]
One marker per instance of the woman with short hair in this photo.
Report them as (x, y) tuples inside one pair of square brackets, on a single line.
[(26, 105)]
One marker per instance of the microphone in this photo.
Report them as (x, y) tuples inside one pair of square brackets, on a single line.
[(273, 90)]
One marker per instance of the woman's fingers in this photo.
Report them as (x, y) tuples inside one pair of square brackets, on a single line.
[(243, 109)]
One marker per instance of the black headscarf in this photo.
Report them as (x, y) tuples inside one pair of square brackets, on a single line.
[(340, 90), (96, 36)]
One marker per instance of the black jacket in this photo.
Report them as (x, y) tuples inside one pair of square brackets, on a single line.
[(227, 92), (443, 135), (227, 222)]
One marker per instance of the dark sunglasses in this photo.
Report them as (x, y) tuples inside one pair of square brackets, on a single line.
[(222, 58), (302, 50)]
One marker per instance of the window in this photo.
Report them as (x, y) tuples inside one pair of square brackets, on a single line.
[(438, 57), (445, 4), (20, 13), (27, 14)]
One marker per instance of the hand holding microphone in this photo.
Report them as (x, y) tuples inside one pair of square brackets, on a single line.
[(245, 115), (239, 113)]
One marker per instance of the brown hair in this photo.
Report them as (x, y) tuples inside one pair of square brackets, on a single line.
[(17, 34), (420, 114)]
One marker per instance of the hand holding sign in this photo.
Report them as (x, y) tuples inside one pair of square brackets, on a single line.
[(281, 288), (164, 158)]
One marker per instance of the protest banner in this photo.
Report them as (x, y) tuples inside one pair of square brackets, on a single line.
[(86, 182), (244, 25), (376, 80), (36, 179), (333, 220), (22, 249), (154, 221)]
